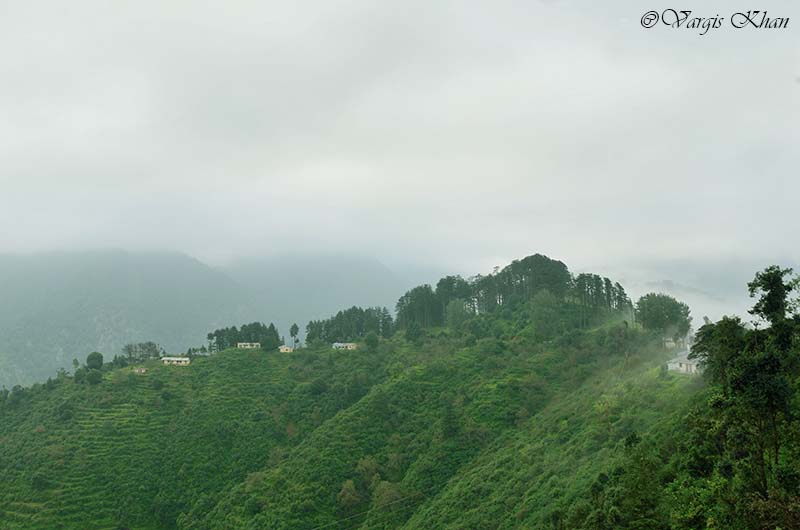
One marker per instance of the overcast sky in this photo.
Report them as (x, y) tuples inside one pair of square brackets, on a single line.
[(452, 134)]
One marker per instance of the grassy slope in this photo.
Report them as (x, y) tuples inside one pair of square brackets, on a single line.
[(136, 453), (531, 431), (438, 436), (535, 475)]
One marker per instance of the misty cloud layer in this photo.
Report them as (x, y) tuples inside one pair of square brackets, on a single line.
[(458, 135)]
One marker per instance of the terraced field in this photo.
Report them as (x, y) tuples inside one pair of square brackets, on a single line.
[(410, 435), (135, 450)]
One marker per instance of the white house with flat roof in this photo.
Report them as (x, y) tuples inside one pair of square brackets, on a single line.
[(285, 349), (684, 365), (176, 361), (344, 345), (248, 345)]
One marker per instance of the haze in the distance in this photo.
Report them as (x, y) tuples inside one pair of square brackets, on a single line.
[(447, 136)]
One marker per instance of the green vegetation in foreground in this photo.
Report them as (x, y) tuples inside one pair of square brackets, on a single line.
[(250, 440), (733, 461), (136, 450), (482, 439)]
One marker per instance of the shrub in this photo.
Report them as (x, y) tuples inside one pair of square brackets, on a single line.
[(39, 481), (371, 340), (94, 376), (318, 386), (80, 375), (64, 411)]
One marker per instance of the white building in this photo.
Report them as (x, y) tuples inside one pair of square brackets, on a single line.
[(248, 345), (178, 361), (345, 345), (285, 349), (684, 365)]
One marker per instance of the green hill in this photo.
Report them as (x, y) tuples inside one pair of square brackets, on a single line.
[(248, 439), (137, 449), (524, 399), (475, 440)]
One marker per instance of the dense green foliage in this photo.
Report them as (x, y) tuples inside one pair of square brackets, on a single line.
[(582, 300), (733, 461), (91, 456), (504, 434), (510, 414), (351, 324), (661, 312), (136, 450), (94, 361), (381, 437)]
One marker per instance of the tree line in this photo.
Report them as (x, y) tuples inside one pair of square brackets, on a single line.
[(266, 335), (588, 296), (351, 324), (142, 351), (552, 298)]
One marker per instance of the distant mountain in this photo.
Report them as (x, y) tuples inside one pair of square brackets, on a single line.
[(300, 288), (60, 306)]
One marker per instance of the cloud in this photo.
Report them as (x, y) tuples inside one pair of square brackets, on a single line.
[(460, 134)]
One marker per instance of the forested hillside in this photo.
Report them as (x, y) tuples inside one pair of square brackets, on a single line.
[(733, 460), (489, 401), (94, 456), (500, 435), (528, 398), (298, 440)]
